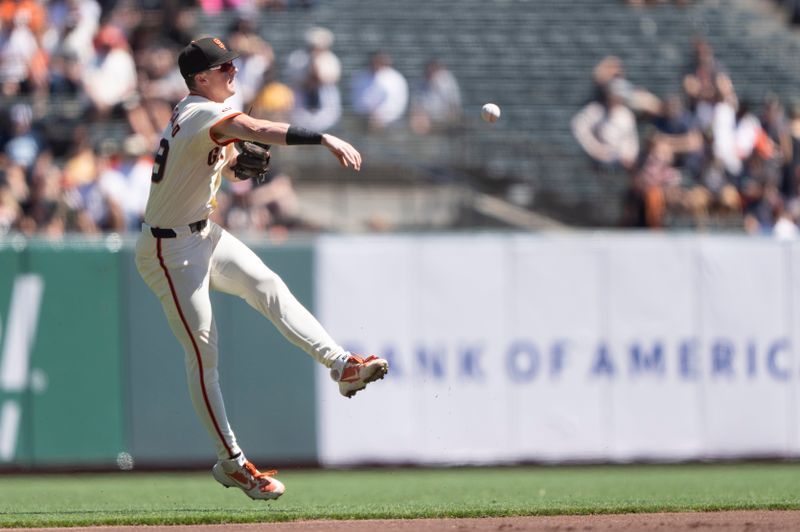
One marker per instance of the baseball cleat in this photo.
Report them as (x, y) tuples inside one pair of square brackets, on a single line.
[(254, 483), (359, 371)]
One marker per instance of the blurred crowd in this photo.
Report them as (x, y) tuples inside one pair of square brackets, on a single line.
[(73, 72), (86, 87), (702, 154), (791, 8)]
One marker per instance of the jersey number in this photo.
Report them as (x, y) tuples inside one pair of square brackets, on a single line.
[(160, 162)]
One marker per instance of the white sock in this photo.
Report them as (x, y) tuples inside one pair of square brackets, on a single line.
[(233, 464), (337, 368)]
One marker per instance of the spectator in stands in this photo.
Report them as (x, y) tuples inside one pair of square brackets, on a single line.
[(68, 42), (33, 12), (607, 130), (715, 194), (314, 73), (94, 201), (791, 179), (34, 15), (751, 139), (158, 75), (110, 79), (25, 144), (44, 210), (14, 182), (436, 102), (125, 15), (159, 87), (611, 69), (658, 182), (380, 93), (10, 211), (79, 165), (275, 100), (775, 133), (678, 127), (235, 212), (256, 57), (272, 207), (18, 48), (758, 189), (701, 80), (65, 74), (792, 8), (607, 69), (785, 226), (703, 61), (762, 206), (113, 187), (726, 143), (76, 37), (180, 25), (126, 181), (136, 166)]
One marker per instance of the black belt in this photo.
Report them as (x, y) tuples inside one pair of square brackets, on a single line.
[(194, 227)]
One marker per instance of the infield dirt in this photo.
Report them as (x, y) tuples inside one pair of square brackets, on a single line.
[(734, 521)]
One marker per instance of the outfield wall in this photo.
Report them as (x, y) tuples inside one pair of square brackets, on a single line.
[(504, 348), (90, 374), (564, 348)]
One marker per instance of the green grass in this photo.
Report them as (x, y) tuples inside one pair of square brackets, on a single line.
[(150, 498)]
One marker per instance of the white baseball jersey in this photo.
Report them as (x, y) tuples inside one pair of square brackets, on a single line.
[(188, 165)]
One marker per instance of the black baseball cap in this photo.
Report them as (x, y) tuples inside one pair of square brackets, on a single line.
[(203, 54)]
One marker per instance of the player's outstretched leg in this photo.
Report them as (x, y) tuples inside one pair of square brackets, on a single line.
[(358, 372), (240, 473), (237, 270)]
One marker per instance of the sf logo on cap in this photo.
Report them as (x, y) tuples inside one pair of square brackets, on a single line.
[(220, 44)]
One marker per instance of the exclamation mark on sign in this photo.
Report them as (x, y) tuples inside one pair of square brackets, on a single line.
[(23, 316)]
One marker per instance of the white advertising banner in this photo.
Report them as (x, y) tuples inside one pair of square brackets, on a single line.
[(507, 348)]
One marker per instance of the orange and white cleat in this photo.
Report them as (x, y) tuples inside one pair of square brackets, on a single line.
[(358, 372), (255, 484)]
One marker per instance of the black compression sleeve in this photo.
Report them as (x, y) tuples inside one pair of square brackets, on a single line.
[(301, 135)]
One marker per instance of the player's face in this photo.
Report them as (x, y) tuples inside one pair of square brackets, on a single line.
[(221, 79)]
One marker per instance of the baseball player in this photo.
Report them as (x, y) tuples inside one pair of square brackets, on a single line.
[(181, 255)]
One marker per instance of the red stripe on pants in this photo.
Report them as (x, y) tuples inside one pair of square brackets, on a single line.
[(194, 345)]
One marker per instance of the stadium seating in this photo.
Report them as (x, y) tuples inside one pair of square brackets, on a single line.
[(535, 60)]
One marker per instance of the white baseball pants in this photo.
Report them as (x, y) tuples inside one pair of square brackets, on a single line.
[(181, 271)]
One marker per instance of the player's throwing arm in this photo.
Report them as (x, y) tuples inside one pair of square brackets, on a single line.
[(246, 128)]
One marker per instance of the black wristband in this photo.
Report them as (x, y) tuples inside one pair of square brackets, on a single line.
[(301, 135)]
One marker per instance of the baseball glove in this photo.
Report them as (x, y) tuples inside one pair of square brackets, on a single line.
[(252, 162)]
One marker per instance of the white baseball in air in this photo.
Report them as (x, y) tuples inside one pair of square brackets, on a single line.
[(490, 112)]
